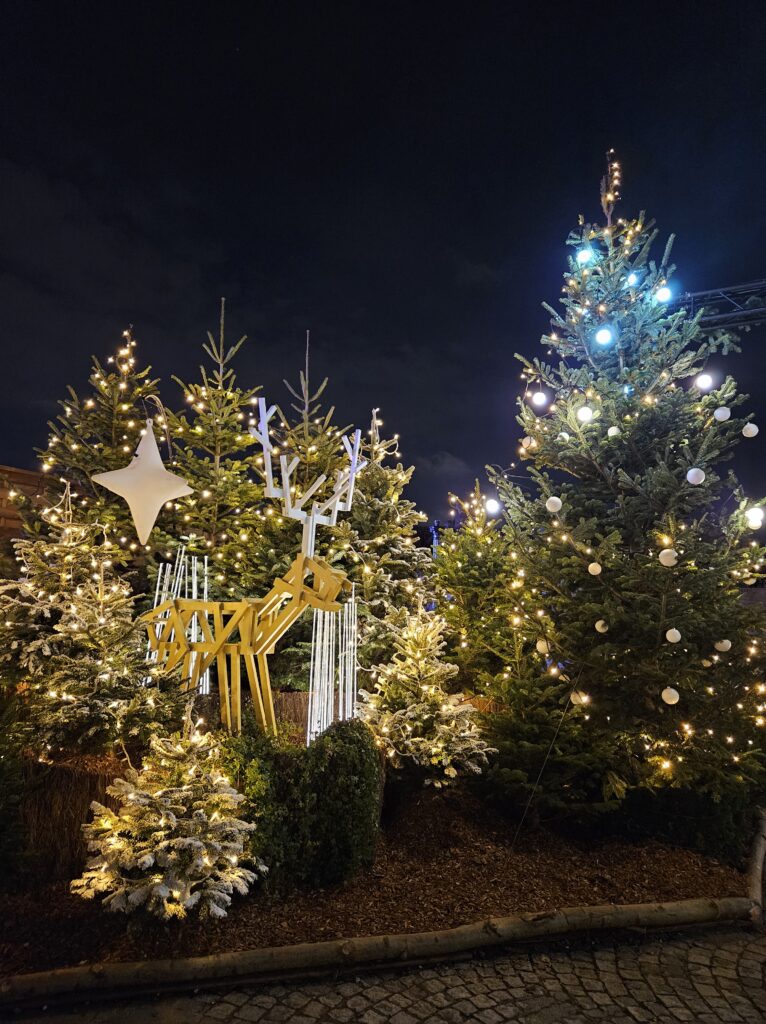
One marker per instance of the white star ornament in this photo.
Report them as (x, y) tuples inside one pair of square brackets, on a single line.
[(145, 484)]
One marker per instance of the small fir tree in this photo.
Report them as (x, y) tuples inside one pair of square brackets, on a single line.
[(175, 845), (421, 726), (75, 653), (635, 541), (216, 455)]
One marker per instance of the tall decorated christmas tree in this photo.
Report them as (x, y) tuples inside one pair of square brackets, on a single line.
[(633, 536), (216, 455)]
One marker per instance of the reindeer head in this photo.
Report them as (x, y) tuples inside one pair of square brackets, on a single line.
[(323, 513)]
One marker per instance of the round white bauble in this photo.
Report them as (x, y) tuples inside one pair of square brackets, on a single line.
[(613, 432), (750, 430), (585, 414), (706, 662), (722, 414), (563, 436), (594, 569), (672, 636), (668, 557), (553, 504), (695, 476), (754, 517), (722, 645), (670, 696), (527, 442), (602, 626), (578, 697), (749, 581), (543, 647)]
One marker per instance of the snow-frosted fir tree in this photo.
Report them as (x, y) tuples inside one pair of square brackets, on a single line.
[(96, 432), (418, 723), (216, 455), (71, 644), (633, 536), (377, 545), (176, 844)]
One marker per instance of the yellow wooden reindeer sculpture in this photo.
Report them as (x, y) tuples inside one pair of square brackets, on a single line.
[(229, 631)]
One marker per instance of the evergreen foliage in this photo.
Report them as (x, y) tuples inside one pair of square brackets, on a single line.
[(377, 545), (421, 727), (95, 433), (317, 810), (176, 844), (74, 653), (637, 562), (216, 455)]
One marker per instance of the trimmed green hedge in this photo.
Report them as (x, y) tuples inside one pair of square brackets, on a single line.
[(317, 810)]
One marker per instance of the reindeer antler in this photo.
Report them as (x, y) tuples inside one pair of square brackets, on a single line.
[(323, 513)]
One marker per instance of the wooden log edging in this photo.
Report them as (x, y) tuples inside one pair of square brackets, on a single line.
[(104, 981), (117, 980)]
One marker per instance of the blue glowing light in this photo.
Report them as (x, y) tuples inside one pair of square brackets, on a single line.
[(604, 336), (627, 390), (584, 256), (664, 294), (632, 279)]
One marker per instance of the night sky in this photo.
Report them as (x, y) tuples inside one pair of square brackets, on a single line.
[(399, 178)]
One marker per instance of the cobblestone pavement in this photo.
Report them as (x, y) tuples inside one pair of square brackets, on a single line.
[(705, 977)]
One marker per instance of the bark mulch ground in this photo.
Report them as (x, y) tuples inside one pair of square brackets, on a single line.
[(442, 862)]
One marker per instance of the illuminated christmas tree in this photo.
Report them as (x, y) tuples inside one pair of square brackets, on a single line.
[(377, 545), (175, 845), (216, 455), (422, 728), (72, 648), (97, 432), (632, 537)]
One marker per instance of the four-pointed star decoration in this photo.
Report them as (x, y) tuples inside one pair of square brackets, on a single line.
[(145, 484)]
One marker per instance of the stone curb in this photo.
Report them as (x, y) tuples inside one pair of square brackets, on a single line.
[(106, 981)]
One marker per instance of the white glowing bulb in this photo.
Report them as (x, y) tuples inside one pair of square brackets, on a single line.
[(492, 505), (632, 279), (754, 518), (704, 382), (585, 414), (539, 398), (604, 336), (584, 256), (664, 294)]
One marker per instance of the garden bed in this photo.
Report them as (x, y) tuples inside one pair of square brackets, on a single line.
[(442, 862)]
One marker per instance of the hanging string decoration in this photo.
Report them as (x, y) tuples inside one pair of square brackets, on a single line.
[(332, 677), (186, 578)]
